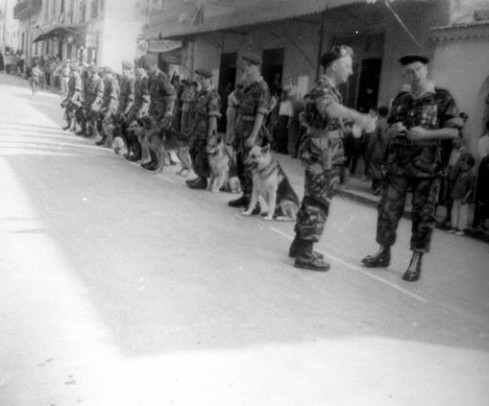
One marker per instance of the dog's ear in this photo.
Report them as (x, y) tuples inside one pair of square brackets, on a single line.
[(265, 149)]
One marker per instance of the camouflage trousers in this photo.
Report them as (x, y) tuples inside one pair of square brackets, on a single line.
[(391, 207), (243, 130), (320, 186), (198, 155)]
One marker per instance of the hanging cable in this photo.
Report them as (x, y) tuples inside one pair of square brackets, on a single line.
[(404, 26)]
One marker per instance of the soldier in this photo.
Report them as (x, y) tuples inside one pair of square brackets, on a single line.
[(187, 99), (322, 155), (73, 99), (126, 98), (110, 106), (138, 110), (163, 97), (94, 93), (419, 120), (205, 112), (252, 107)]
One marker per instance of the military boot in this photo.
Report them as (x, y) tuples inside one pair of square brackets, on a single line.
[(413, 272), (296, 246), (200, 184), (242, 201), (306, 259), (83, 129), (380, 259), (68, 125)]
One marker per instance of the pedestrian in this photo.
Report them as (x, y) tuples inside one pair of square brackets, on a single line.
[(376, 151), (463, 194), (321, 152), (418, 120), (206, 110), (73, 99), (94, 93), (65, 77), (253, 106), (281, 129), (35, 77)]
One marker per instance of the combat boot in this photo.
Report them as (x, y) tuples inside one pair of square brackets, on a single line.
[(306, 259), (242, 201), (296, 247), (68, 125), (200, 184), (380, 259), (413, 272)]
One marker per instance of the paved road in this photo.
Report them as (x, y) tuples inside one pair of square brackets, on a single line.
[(120, 287)]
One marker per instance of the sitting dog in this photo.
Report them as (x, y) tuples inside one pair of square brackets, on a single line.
[(222, 166), (132, 137), (271, 188), (119, 146)]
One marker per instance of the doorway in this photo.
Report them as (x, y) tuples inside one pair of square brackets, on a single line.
[(272, 68), (227, 80)]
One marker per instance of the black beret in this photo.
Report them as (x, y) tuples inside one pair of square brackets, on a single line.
[(336, 53), (93, 68), (407, 59), (108, 69), (204, 73), (252, 58), (75, 68)]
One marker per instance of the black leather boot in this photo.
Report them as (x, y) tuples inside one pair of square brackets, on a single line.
[(242, 201), (413, 272), (380, 259), (200, 184), (295, 248), (306, 259), (68, 125)]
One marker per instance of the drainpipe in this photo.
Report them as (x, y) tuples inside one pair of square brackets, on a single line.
[(320, 47)]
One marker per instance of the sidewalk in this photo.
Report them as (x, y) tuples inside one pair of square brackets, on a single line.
[(360, 191)]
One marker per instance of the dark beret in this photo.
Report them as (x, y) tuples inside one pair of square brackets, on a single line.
[(252, 58), (108, 69), (336, 53), (127, 65), (204, 73), (75, 68), (93, 68), (406, 60)]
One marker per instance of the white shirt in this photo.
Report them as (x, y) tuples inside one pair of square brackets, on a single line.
[(285, 108), (483, 146)]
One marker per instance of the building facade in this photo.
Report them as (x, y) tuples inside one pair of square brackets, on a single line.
[(94, 31), (9, 27)]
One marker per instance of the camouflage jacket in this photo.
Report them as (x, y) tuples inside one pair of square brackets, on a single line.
[(162, 94), (94, 90), (419, 158), (206, 104), (126, 97), (111, 94), (254, 99)]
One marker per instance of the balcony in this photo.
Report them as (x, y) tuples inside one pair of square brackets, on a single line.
[(27, 8)]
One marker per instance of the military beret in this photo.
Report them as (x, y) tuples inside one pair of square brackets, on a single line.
[(108, 69), (204, 73), (252, 58), (127, 65), (75, 68), (93, 68), (336, 53), (407, 59)]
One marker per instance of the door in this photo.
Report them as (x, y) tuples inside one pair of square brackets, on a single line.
[(226, 84)]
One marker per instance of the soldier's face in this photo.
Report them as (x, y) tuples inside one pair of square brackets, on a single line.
[(416, 74), (250, 69), (343, 68)]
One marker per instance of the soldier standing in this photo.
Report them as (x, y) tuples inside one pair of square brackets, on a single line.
[(252, 107), (94, 93), (187, 99), (126, 98), (73, 99), (138, 110), (162, 103), (322, 155), (205, 112), (109, 107), (418, 120)]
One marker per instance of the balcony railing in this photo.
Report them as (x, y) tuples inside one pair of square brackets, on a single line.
[(26, 8)]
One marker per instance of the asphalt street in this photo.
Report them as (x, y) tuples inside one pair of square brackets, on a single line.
[(122, 287)]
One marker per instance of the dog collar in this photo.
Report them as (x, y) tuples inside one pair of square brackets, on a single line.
[(268, 169)]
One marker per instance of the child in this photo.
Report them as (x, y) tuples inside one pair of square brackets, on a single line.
[(463, 194)]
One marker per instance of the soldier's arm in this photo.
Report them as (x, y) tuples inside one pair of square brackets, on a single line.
[(213, 108), (262, 109), (171, 95), (129, 97), (334, 109)]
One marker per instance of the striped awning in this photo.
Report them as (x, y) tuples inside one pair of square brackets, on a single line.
[(59, 30)]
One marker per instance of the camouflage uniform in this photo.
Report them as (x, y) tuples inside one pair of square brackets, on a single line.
[(206, 104), (141, 99), (94, 93), (74, 96), (414, 165), (322, 154), (253, 99), (126, 96), (110, 103), (162, 94)]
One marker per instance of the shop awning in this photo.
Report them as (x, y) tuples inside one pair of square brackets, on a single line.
[(158, 46), (266, 12), (59, 31)]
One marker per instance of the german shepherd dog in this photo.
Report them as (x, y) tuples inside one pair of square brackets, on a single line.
[(271, 188), (222, 166)]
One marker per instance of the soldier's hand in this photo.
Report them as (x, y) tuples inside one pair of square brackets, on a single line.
[(367, 123), (250, 142), (416, 133)]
